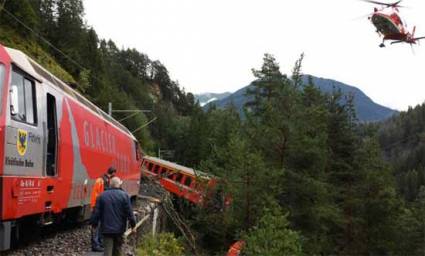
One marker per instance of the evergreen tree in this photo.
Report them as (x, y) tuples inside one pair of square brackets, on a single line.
[(272, 236), (270, 111), (377, 207), (69, 34), (24, 16)]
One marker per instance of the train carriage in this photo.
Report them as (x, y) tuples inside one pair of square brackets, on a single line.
[(54, 144), (197, 187)]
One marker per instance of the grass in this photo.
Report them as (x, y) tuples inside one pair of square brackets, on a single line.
[(11, 39)]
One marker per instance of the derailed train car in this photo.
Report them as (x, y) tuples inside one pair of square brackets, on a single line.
[(197, 187), (54, 144)]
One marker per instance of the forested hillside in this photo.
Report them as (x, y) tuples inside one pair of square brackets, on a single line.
[(54, 33), (402, 139), (303, 156), (304, 176)]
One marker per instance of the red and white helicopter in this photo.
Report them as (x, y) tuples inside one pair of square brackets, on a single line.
[(389, 24)]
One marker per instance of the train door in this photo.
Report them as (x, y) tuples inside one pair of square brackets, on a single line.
[(50, 127), (23, 149), (52, 135)]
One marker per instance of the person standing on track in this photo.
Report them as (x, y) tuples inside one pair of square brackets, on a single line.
[(113, 209), (101, 184)]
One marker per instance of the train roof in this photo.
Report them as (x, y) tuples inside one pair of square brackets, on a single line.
[(39, 73), (182, 168)]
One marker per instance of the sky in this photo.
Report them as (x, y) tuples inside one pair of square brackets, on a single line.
[(212, 45)]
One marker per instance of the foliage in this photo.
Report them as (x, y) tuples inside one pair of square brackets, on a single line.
[(164, 244), (401, 139), (272, 236), (10, 38), (306, 151), (296, 147), (54, 34)]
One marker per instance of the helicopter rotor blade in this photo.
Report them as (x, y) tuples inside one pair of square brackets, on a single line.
[(396, 4), (418, 38), (397, 42), (413, 49), (410, 41)]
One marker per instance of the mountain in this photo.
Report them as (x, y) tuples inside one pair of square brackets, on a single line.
[(205, 98), (366, 109)]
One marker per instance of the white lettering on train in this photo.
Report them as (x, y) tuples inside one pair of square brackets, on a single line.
[(98, 138), (105, 142)]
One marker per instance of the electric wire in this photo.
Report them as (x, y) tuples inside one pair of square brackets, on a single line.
[(42, 38), (168, 206), (144, 125), (127, 117)]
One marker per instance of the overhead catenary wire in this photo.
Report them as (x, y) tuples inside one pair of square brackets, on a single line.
[(43, 39), (129, 116), (144, 125), (168, 206)]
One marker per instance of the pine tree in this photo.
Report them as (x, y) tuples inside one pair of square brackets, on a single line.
[(272, 236), (270, 111), (23, 13), (306, 192)]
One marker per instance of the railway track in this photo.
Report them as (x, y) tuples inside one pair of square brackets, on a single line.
[(63, 240), (68, 241), (74, 239)]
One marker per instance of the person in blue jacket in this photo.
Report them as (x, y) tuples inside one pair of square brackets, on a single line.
[(113, 210)]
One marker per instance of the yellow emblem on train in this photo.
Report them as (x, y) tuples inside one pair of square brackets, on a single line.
[(22, 142)]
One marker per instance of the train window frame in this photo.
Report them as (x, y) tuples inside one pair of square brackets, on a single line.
[(163, 172), (171, 175), (156, 169), (149, 166), (193, 184), (27, 82), (137, 150), (179, 177), (186, 183), (2, 82)]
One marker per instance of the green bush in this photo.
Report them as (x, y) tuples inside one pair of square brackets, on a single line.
[(164, 244), (272, 236)]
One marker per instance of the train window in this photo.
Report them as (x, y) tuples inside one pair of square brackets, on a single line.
[(150, 166), (179, 177), (163, 171), (156, 169), (52, 131), (29, 103), (137, 148), (23, 106), (187, 181), (172, 175)]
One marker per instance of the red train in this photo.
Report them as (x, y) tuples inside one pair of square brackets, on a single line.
[(194, 186), (55, 144)]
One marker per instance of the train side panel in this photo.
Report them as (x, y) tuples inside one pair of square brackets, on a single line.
[(53, 146), (4, 81)]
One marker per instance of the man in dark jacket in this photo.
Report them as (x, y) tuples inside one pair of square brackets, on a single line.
[(101, 184), (113, 209)]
